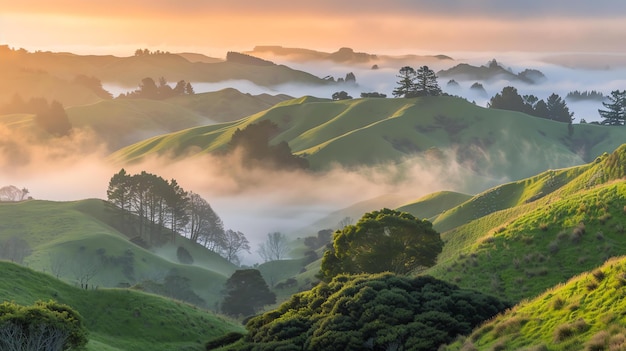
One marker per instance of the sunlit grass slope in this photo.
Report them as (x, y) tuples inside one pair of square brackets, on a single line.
[(432, 205), (119, 319), (585, 313), (63, 237), (518, 239), (492, 143)]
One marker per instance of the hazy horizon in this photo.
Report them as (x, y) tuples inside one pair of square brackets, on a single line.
[(400, 26)]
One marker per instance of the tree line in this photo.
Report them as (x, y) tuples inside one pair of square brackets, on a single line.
[(149, 89), (157, 209), (554, 108)]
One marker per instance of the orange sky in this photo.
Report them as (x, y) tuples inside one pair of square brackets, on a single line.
[(402, 26)]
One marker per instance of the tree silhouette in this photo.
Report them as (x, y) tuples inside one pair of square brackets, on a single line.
[(425, 83), (246, 293), (615, 113), (406, 84)]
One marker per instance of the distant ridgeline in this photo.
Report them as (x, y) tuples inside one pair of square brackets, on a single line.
[(236, 57)]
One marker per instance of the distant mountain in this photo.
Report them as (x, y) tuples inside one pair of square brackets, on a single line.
[(490, 72), (343, 55), (489, 144), (46, 74), (195, 57)]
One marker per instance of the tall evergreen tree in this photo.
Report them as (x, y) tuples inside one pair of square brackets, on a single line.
[(426, 83), (406, 84), (558, 110), (615, 113)]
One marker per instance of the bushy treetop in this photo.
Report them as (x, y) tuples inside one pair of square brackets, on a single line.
[(382, 241), (372, 312)]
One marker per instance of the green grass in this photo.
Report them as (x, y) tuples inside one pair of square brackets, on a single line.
[(119, 319), (68, 235), (433, 205), (584, 313), (489, 144), (537, 232)]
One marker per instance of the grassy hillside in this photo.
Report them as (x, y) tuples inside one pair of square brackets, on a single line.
[(119, 319), (518, 239), (583, 314), (122, 122), (492, 144), (433, 205), (79, 240)]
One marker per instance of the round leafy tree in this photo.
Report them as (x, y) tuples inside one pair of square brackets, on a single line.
[(382, 241), (246, 293), (42, 326)]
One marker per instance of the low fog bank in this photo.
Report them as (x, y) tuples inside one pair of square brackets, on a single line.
[(561, 80), (253, 201)]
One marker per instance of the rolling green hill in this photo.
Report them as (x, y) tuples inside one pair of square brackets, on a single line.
[(584, 313), (488, 144), (121, 122), (432, 205), (79, 242), (119, 319), (520, 238)]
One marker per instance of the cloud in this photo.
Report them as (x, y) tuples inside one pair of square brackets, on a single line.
[(486, 8)]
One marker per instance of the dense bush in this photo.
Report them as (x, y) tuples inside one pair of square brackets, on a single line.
[(183, 255), (46, 326), (374, 312), (223, 341)]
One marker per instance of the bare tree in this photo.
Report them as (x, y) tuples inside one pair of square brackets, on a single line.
[(57, 264), (85, 267), (345, 222), (274, 248), (14, 249), (234, 243)]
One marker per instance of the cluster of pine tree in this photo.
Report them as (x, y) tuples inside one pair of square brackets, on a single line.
[(554, 108), (155, 209)]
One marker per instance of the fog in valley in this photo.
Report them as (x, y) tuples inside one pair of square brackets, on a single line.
[(257, 202)]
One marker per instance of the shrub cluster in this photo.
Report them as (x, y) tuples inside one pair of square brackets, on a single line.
[(382, 311)]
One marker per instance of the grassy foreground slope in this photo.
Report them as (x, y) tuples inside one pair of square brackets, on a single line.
[(518, 239), (444, 131), (71, 239), (119, 319), (586, 313)]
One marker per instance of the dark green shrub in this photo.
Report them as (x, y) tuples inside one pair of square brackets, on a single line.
[(184, 256), (223, 341)]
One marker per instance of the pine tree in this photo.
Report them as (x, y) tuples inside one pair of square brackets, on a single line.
[(615, 112), (426, 83), (558, 110), (406, 84)]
